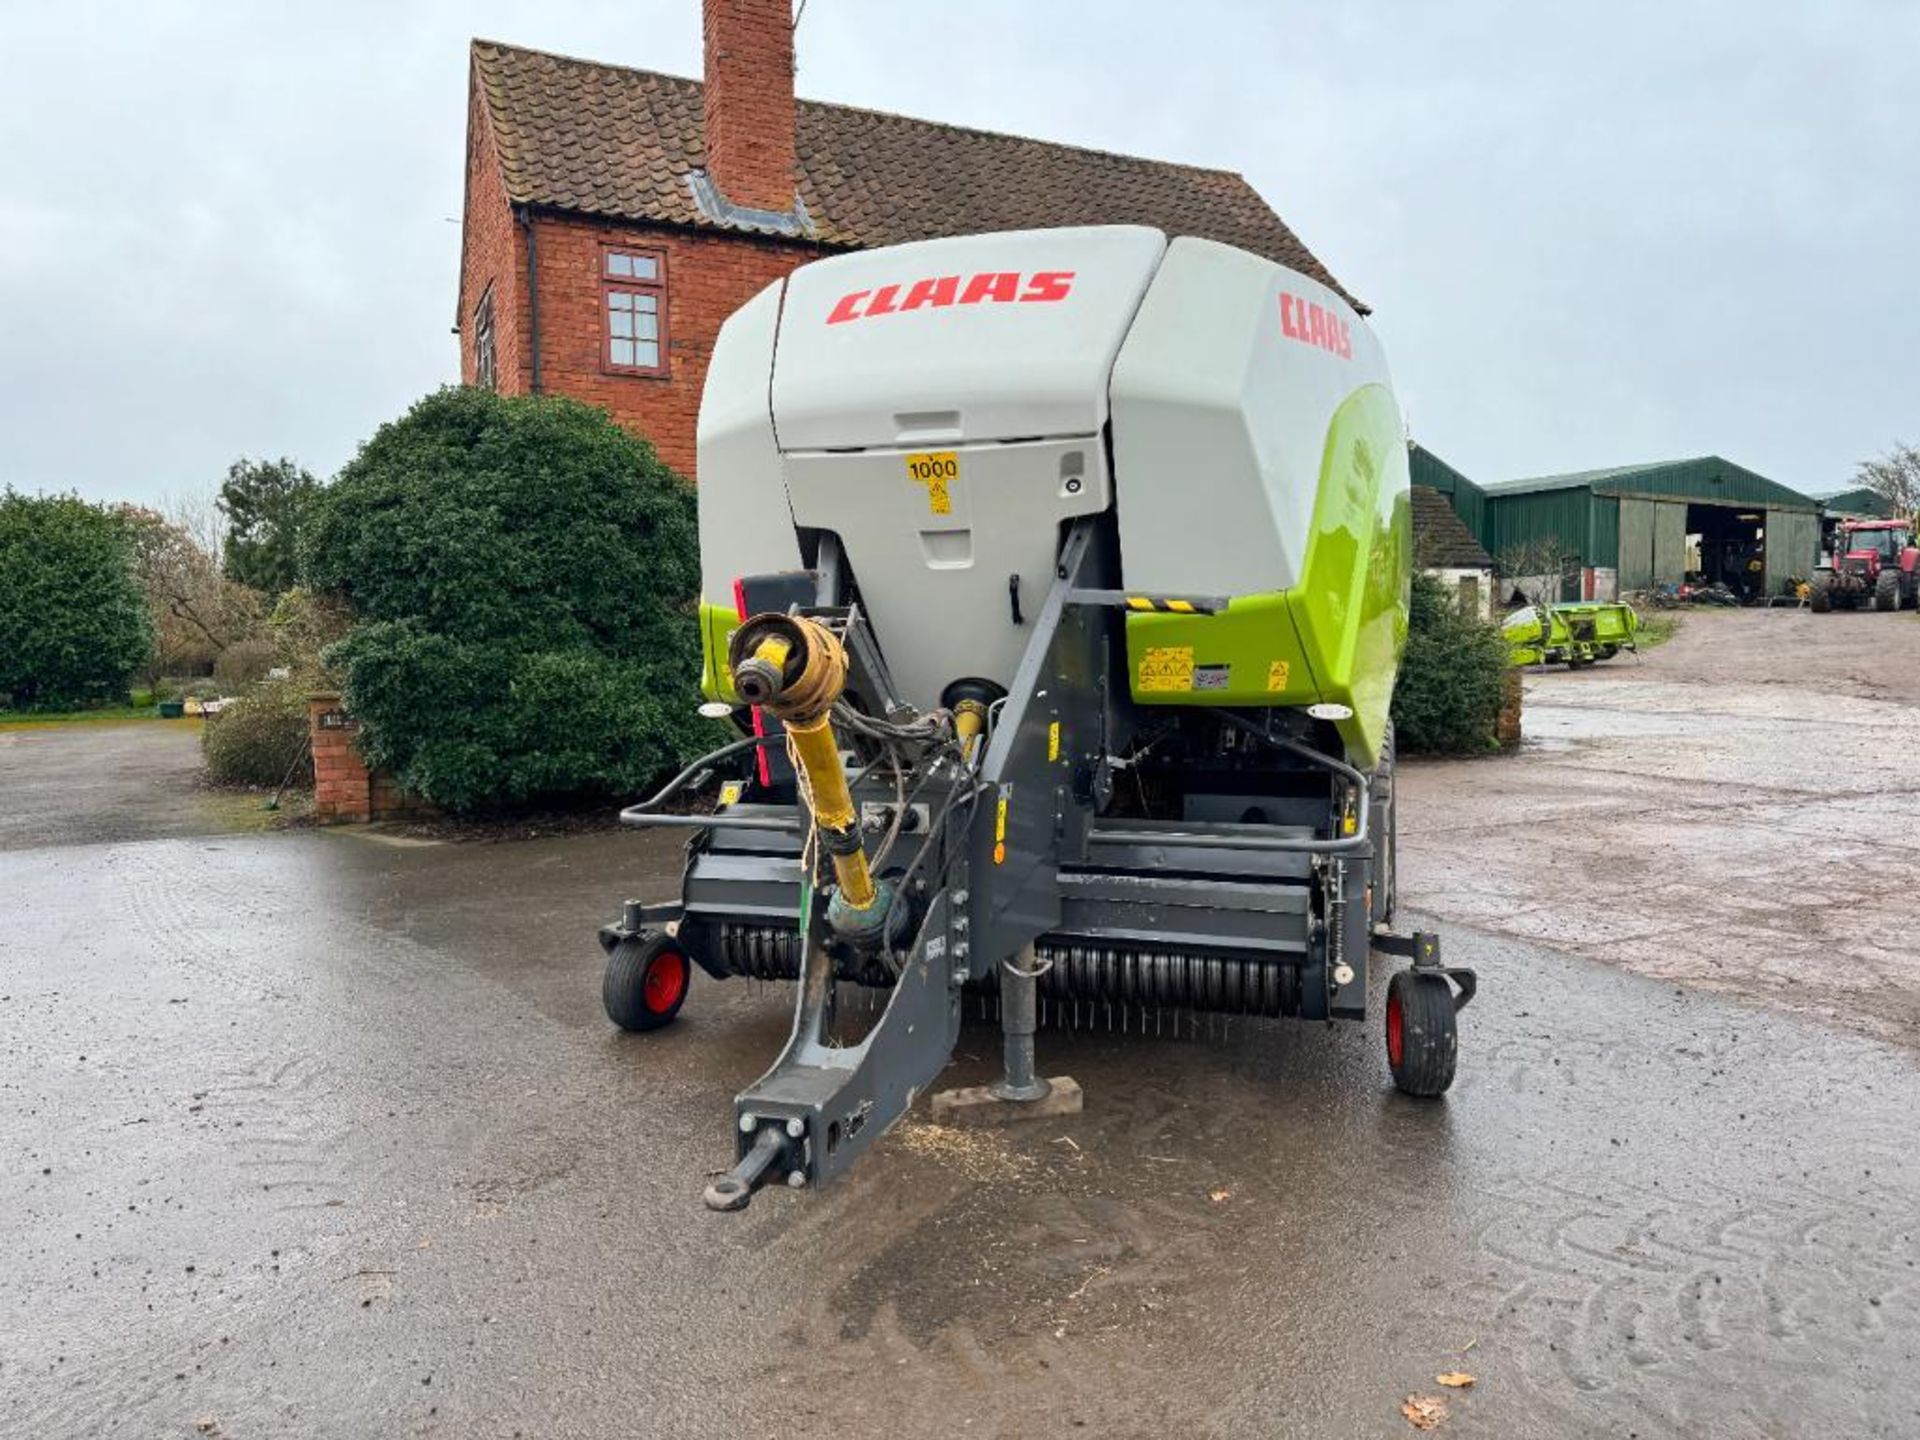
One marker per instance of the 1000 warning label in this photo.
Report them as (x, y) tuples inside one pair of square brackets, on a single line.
[(938, 470)]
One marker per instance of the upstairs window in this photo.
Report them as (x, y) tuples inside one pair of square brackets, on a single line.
[(486, 372), (634, 292)]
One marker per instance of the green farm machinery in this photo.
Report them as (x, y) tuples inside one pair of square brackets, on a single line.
[(1574, 634)]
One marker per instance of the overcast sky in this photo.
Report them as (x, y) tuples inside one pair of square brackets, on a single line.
[(1593, 233)]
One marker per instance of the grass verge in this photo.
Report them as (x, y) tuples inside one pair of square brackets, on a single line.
[(104, 715), (1655, 630)]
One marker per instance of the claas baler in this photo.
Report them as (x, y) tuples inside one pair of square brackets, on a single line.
[(1056, 583)]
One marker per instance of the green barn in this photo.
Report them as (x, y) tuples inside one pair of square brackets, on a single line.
[(1859, 503), (1635, 527)]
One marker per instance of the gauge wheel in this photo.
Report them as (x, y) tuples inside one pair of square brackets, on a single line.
[(1423, 1037), (646, 982)]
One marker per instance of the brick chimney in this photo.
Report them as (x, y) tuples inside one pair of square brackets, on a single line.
[(749, 102)]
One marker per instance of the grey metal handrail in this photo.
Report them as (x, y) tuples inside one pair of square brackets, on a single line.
[(643, 816)]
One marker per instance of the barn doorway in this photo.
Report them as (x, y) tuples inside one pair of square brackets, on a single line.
[(1727, 545)]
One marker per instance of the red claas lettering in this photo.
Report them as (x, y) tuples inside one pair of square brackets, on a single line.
[(1315, 325), (848, 308), (937, 292), (1048, 285), (1001, 286)]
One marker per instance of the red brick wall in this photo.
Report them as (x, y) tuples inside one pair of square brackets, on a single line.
[(341, 790), (749, 101), (709, 276), (492, 250)]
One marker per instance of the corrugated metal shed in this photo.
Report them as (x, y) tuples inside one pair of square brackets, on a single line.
[(1517, 520), (1590, 513), (1469, 501), (1861, 502), (1705, 479)]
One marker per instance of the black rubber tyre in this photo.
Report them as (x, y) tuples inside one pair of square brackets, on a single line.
[(1886, 590), (1822, 598), (646, 982), (1423, 1038), (1607, 652)]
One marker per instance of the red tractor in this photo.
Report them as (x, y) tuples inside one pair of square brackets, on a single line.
[(1871, 559)]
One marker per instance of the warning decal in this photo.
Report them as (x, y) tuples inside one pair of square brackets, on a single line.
[(1166, 667), (1000, 826), (937, 470), (1277, 675)]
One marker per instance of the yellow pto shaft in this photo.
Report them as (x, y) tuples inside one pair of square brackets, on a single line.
[(795, 668), (818, 754)]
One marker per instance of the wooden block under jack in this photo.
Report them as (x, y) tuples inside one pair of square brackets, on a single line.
[(978, 1105)]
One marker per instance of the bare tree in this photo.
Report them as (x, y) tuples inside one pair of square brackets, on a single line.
[(197, 612), (196, 515), (1538, 567), (1895, 477)]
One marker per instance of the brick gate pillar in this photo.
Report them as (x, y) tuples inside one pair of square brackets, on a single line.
[(342, 789)]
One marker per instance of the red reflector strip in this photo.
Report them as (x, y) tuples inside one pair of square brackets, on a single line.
[(760, 766)]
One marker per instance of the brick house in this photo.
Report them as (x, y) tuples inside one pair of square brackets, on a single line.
[(615, 217)]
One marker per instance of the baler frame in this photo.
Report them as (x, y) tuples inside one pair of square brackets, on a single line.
[(1019, 886)]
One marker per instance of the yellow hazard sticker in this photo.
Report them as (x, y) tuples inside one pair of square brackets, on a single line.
[(1053, 742), (938, 470), (1166, 667), (1277, 675), (731, 792), (1000, 826)]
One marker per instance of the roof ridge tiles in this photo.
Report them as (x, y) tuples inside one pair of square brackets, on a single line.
[(617, 141)]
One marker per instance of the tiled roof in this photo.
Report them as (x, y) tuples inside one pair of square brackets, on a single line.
[(605, 140), (1441, 539)]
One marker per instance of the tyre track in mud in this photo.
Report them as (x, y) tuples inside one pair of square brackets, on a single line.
[(1639, 1211)]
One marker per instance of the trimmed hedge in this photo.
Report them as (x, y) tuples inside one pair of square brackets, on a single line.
[(522, 574), (1448, 697), (261, 738)]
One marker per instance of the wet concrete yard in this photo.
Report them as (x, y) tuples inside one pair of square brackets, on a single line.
[(1739, 812), (311, 1134)]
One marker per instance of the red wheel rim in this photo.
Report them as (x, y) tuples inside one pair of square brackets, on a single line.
[(665, 981), (1396, 1029)]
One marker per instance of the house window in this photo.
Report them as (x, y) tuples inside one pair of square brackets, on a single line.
[(486, 372), (634, 288)]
